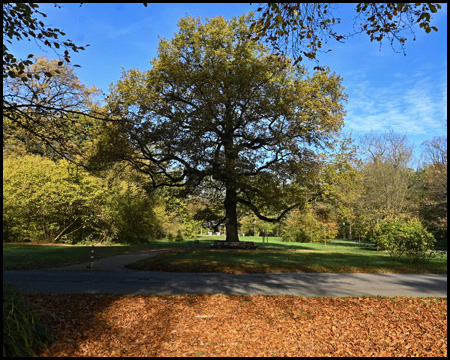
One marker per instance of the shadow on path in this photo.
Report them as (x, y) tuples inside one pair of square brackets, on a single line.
[(302, 284)]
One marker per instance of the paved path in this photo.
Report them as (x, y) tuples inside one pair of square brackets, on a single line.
[(304, 284), (112, 263), (110, 276)]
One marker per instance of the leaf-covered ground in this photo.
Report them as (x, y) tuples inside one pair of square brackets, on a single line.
[(236, 325)]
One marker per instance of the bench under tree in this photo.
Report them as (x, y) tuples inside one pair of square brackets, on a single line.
[(221, 244)]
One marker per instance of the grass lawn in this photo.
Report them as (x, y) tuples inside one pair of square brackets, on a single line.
[(33, 256), (275, 256), (27, 257)]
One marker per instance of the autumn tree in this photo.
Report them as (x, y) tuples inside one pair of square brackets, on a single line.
[(387, 180), (55, 201), (216, 106), (433, 186), (43, 201), (24, 107), (316, 222), (435, 151), (341, 178), (301, 29), (25, 21), (48, 114)]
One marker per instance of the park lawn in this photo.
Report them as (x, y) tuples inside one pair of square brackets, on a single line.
[(275, 256), (43, 256), (335, 259), (28, 257)]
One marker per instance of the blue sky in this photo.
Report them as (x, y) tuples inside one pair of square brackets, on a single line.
[(386, 90)]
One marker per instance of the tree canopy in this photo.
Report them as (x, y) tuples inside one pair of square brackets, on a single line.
[(217, 106), (49, 114), (300, 29), (24, 21)]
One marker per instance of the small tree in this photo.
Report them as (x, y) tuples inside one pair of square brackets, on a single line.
[(404, 237), (313, 224), (179, 236)]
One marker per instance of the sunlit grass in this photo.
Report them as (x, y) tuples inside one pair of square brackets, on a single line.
[(274, 256), (318, 258)]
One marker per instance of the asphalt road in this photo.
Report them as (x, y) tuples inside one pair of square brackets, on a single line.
[(303, 284)]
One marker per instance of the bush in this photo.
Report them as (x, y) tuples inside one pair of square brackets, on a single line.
[(179, 236), (23, 334), (404, 237), (45, 202)]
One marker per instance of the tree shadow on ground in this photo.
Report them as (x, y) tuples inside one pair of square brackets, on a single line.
[(243, 261)]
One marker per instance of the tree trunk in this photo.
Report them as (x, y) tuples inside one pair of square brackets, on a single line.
[(231, 215)]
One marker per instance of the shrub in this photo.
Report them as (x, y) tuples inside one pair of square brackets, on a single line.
[(45, 202), (404, 237), (179, 236), (23, 334)]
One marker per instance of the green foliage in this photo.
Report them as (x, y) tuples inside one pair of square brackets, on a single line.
[(44, 201), (217, 110), (179, 236), (387, 184), (432, 184), (169, 236), (23, 334), (315, 223), (250, 225), (432, 181), (179, 213), (341, 180), (402, 236), (130, 210)]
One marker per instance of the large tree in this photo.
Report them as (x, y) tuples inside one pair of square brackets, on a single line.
[(218, 108)]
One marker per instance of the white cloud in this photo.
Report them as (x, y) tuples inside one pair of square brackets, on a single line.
[(409, 106)]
